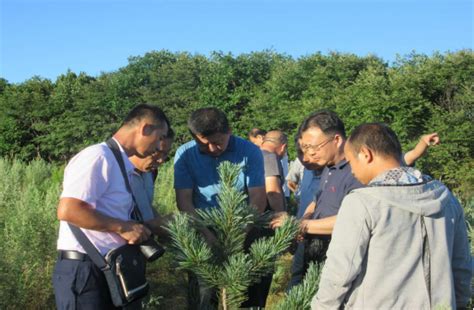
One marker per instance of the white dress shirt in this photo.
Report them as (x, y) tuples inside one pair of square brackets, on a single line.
[(94, 176)]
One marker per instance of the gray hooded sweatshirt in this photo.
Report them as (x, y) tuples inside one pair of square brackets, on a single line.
[(397, 247)]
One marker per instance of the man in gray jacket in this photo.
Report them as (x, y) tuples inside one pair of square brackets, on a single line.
[(399, 243)]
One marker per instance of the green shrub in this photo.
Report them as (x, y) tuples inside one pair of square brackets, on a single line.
[(28, 200)]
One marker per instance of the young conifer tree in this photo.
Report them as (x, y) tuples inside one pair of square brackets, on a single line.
[(225, 265), (300, 296)]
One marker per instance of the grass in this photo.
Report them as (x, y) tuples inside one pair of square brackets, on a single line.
[(28, 229), (28, 198), (168, 283)]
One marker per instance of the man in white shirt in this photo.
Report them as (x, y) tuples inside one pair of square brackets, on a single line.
[(95, 199)]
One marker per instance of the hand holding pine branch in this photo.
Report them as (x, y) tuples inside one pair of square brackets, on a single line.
[(225, 265)]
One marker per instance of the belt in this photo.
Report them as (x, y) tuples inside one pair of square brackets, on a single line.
[(74, 255)]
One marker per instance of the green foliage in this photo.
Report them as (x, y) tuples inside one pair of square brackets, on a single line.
[(225, 265), (165, 198), (28, 228), (416, 94), (53, 120), (300, 296)]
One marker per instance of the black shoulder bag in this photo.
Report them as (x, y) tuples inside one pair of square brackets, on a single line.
[(124, 267)]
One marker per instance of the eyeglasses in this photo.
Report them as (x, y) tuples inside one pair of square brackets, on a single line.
[(315, 148)]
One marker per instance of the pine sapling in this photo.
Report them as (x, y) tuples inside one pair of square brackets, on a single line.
[(225, 265)]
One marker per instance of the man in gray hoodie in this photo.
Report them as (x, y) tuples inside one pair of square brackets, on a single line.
[(399, 243)]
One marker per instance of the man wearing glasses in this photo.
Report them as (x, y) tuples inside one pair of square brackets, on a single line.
[(321, 138)]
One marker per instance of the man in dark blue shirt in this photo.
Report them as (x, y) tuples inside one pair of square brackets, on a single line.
[(321, 138)]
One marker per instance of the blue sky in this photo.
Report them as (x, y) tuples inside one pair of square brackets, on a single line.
[(48, 37)]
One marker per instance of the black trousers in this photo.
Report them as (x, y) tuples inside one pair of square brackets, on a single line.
[(79, 284), (315, 248), (257, 293)]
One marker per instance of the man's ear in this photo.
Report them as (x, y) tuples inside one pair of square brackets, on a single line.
[(146, 129), (339, 140), (366, 155)]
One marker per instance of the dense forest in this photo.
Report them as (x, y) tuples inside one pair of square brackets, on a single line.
[(415, 94)]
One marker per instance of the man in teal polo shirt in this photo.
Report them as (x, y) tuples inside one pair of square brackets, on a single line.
[(196, 177)]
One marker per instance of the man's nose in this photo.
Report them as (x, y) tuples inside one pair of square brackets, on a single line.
[(212, 147), (308, 156)]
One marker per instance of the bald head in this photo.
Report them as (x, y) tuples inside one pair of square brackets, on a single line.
[(276, 136), (275, 141)]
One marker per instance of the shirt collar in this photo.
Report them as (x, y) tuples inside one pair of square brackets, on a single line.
[(340, 165), (231, 144), (398, 176)]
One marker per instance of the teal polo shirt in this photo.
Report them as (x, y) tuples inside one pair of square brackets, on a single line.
[(198, 171)]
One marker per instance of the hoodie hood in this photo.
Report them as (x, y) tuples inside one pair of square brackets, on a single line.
[(426, 198)]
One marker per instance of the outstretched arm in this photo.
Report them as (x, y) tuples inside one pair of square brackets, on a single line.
[(322, 226), (418, 151)]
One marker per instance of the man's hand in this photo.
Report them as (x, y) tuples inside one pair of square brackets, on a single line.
[(134, 233), (278, 219), (292, 185), (430, 139), (81, 214), (425, 142), (302, 230)]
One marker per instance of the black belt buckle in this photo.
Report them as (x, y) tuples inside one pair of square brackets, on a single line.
[(73, 255)]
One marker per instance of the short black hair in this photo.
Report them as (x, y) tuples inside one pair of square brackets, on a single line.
[(299, 151), (327, 121), (378, 137), (146, 111), (254, 132), (170, 134), (208, 121)]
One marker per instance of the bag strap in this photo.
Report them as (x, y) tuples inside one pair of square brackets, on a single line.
[(83, 240), (112, 144), (90, 249)]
